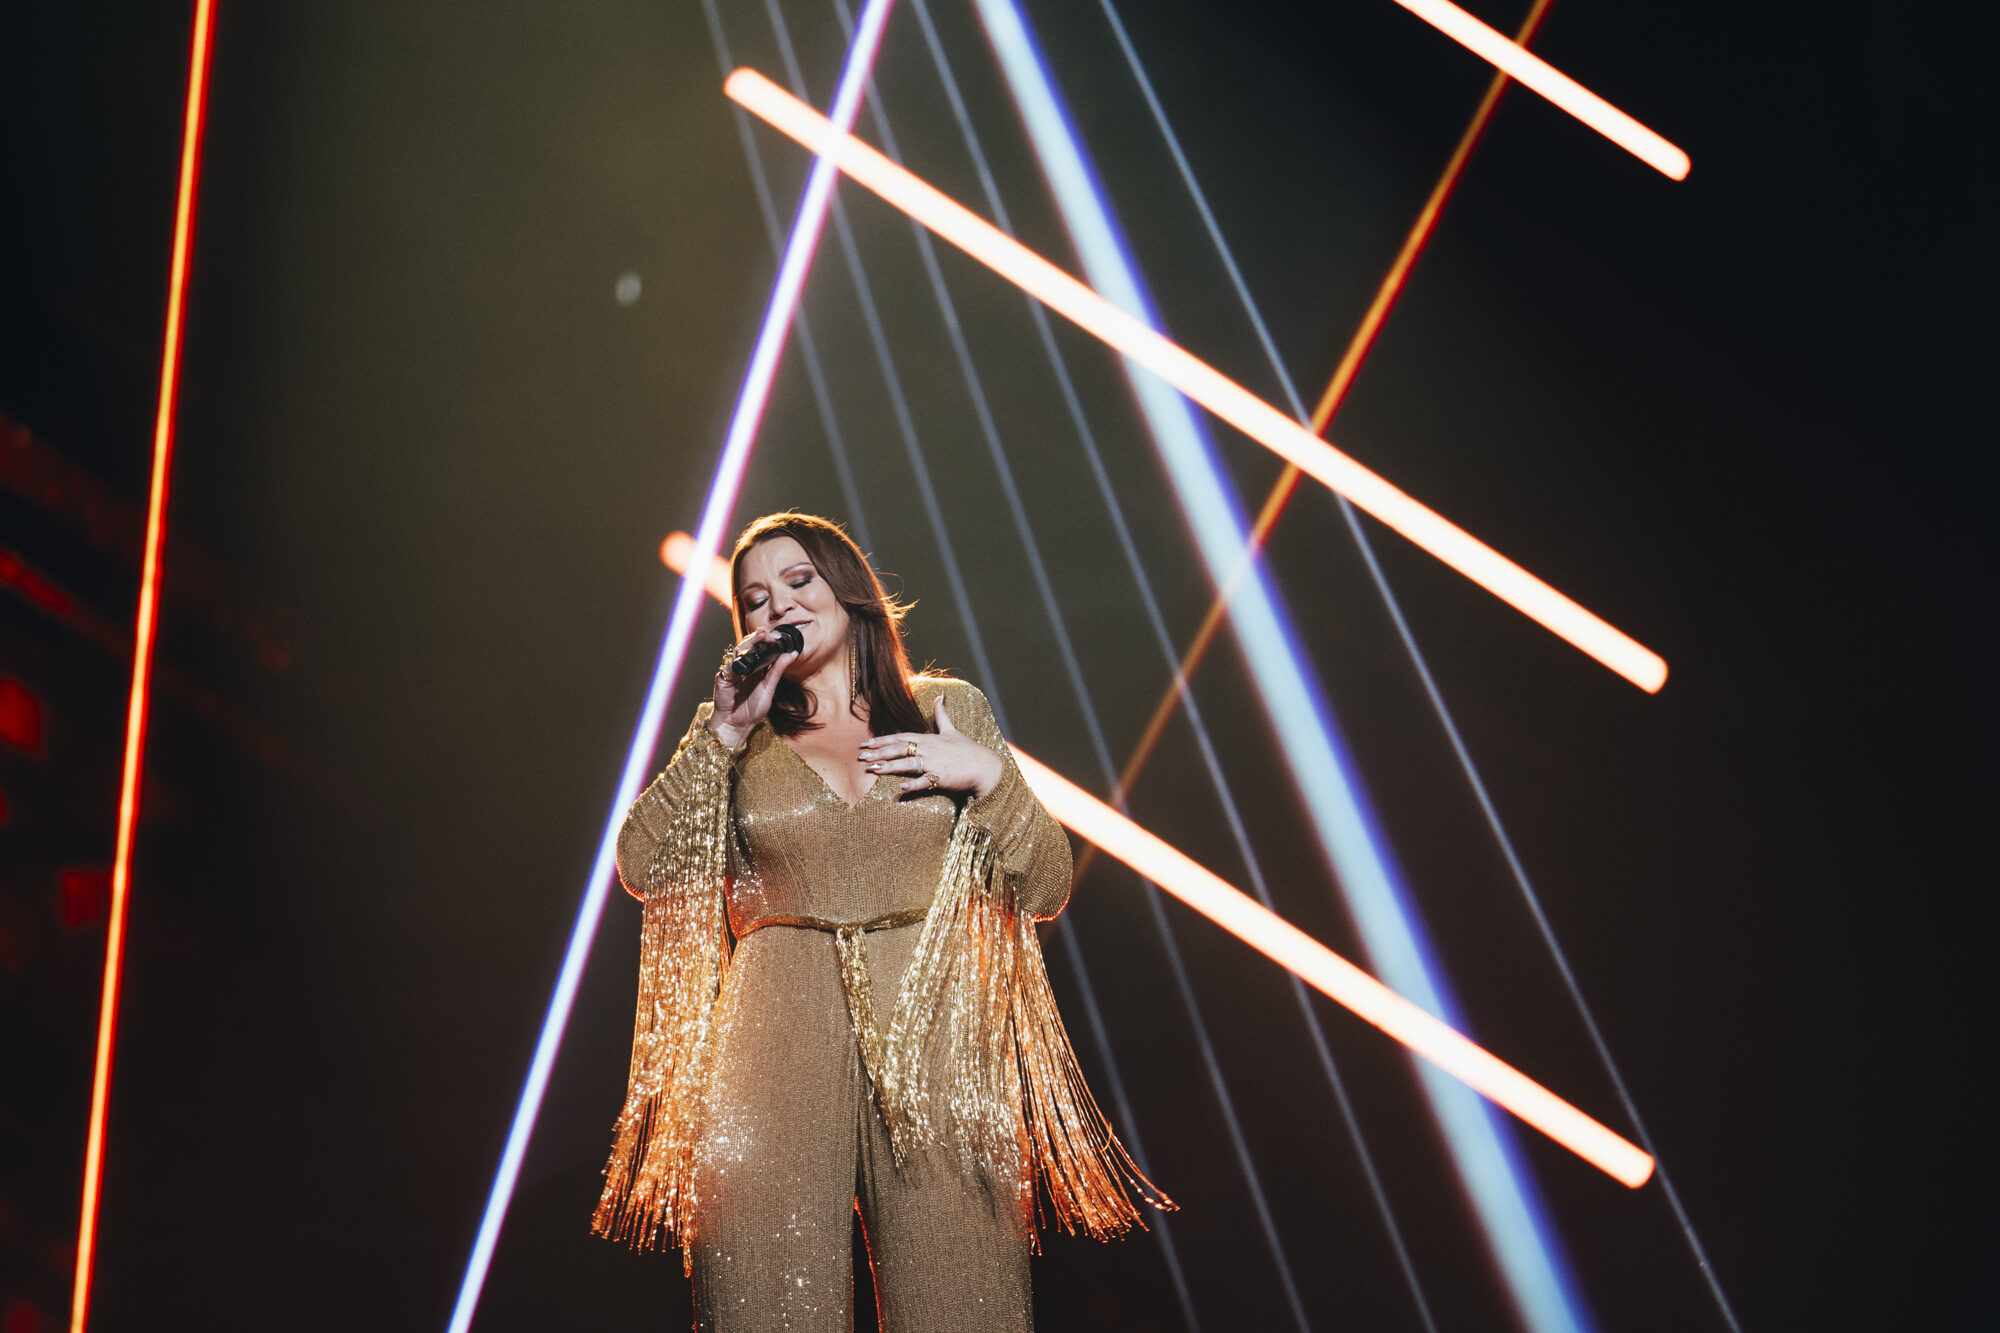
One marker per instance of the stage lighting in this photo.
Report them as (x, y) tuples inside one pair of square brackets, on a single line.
[(677, 554), (1202, 383), (1536, 73), (1333, 976), (750, 402), (142, 656), (1291, 948)]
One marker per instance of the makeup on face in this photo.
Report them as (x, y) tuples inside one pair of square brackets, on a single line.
[(781, 585)]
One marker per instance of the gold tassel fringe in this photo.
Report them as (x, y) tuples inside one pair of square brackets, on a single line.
[(1013, 1105), (683, 952)]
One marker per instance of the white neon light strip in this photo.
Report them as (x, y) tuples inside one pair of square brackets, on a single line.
[(1445, 719), (1538, 74), (1497, 1183), (721, 499), (1202, 383), (1291, 948), (1341, 981), (1309, 1014)]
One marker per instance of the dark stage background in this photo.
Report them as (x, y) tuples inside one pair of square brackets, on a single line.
[(426, 458)]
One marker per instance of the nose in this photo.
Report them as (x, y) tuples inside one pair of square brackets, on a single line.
[(780, 604)]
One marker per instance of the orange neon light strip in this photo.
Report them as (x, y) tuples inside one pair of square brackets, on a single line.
[(677, 553), (142, 660), (1202, 383), (1536, 73), (1291, 948)]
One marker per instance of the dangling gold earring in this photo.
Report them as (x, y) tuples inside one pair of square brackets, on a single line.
[(853, 665)]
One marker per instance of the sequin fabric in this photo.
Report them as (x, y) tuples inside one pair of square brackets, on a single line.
[(798, 954)]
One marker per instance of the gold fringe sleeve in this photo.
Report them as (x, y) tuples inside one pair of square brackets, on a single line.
[(1016, 1102), (673, 852), (1031, 850)]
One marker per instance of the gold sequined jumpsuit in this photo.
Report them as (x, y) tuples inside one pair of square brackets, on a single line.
[(776, 1088)]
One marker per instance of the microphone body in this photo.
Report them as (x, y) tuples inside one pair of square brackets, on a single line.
[(789, 640)]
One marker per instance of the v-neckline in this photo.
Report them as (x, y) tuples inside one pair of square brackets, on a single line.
[(826, 786)]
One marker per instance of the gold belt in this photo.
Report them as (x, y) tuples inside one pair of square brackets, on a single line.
[(853, 974), (888, 921)]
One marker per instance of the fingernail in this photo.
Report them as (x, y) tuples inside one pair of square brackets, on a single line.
[(874, 768)]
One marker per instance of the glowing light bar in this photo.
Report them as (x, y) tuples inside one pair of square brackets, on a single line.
[(1335, 977), (142, 660), (1202, 383), (743, 423), (1291, 948), (1358, 347), (1538, 74), (677, 554)]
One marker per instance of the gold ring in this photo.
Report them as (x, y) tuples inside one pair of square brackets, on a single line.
[(728, 657), (910, 750), (934, 782)]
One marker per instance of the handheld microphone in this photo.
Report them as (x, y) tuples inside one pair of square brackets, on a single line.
[(789, 640)]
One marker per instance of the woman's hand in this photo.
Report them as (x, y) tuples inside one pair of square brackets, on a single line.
[(955, 760), (742, 701)]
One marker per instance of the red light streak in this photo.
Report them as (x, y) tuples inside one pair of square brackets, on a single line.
[(1291, 948), (1536, 73), (1202, 383), (142, 659)]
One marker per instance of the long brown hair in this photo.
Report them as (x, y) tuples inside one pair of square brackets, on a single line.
[(875, 626)]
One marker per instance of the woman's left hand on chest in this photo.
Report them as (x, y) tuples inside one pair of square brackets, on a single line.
[(946, 760)]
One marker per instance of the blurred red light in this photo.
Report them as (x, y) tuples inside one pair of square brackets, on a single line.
[(23, 720), (24, 1316), (86, 892), (31, 585)]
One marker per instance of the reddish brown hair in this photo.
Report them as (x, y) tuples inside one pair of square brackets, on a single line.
[(875, 620)]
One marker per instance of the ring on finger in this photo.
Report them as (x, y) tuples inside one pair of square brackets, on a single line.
[(910, 750), (932, 779)]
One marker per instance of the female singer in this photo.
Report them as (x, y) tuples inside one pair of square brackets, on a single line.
[(842, 1003)]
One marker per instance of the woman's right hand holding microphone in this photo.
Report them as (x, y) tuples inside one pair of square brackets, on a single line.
[(742, 701)]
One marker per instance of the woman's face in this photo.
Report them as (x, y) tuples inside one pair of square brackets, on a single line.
[(779, 585)]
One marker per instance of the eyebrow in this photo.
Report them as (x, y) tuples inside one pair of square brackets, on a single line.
[(798, 564)]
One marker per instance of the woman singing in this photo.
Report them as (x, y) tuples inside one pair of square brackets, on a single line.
[(842, 1004)]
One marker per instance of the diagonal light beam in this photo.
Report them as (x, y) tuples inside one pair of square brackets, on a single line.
[(1274, 506), (1291, 948), (1358, 347), (1161, 1232), (1335, 977), (743, 424), (1202, 383), (1498, 1186), (1164, 428), (142, 659), (1532, 71)]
